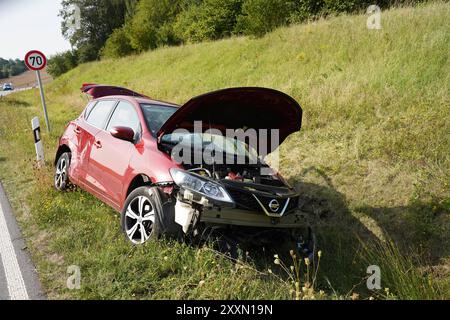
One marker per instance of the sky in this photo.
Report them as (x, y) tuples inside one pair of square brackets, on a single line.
[(30, 25)]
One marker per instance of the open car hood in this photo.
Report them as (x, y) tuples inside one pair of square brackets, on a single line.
[(239, 108)]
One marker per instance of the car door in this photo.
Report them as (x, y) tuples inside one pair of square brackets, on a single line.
[(77, 142), (110, 157), (87, 128)]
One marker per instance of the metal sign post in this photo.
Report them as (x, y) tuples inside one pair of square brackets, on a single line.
[(44, 106), (36, 61)]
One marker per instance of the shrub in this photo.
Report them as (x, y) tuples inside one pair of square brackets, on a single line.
[(62, 62), (151, 24), (261, 16), (117, 45), (210, 20)]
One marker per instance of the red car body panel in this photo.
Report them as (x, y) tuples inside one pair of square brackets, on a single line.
[(106, 166)]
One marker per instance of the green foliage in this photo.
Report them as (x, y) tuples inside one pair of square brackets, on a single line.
[(208, 20), (151, 26), (99, 18), (261, 16), (9, 68), (62, 62), (118, 28), (117, 45)]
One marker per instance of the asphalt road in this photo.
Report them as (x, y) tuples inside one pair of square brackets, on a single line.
[(18, 277), (5, 93)]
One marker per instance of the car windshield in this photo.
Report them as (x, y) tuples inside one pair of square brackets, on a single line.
[(156, 115), (227, 146)]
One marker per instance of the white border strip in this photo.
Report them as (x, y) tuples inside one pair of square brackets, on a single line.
[(13, 274)]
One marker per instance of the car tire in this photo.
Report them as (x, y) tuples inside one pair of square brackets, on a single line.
[(61, 178), (148, 214)]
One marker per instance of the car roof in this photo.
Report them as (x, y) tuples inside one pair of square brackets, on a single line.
[(139, 100), (102, 92)]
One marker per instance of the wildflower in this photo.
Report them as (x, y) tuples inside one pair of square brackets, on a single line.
[(270, 271), (319, 254), (276, 256), (277, 261), (292, 268), (301, 56), (307, 262), (292, 253)]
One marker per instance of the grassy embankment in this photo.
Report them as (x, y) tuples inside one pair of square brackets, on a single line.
[(372, 160)]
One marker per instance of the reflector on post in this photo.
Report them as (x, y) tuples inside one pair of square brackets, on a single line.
[(37, 139)]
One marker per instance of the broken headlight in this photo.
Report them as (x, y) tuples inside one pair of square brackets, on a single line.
[(203, 186)]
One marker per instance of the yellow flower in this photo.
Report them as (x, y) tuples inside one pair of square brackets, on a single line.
[(319, 254), (307, 262), (301, 56)]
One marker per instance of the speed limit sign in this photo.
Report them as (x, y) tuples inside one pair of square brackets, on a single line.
[(35, 60)]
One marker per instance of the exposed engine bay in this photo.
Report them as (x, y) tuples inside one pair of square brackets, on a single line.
[(239, 173)]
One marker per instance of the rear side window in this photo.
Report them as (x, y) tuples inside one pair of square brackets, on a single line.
[(125, 116), (100, 113), (88, 109)]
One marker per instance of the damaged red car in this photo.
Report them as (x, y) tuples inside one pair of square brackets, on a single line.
[(145, 158)]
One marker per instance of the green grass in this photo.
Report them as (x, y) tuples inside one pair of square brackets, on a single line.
[(372, 161)]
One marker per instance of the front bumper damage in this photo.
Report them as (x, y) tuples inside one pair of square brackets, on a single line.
[(249, 210)]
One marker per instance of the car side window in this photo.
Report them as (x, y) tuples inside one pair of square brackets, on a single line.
[(100, 113), (125, 116), (88, 108)]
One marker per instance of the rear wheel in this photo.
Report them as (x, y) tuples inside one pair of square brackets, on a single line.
[(61, 179)]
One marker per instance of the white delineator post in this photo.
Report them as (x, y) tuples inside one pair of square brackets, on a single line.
[(37, 140)]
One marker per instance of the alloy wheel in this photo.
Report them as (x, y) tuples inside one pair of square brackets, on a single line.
[(139, 219), (61, 173)]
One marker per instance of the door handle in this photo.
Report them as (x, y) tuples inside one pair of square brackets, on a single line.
[(98, 144), (77, 130)]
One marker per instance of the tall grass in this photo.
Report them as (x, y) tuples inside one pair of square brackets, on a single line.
[(400, 276)]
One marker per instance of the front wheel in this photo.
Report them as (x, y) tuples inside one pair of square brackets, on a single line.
[(61, 179)]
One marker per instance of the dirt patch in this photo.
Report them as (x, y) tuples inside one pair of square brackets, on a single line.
[(27, 79)]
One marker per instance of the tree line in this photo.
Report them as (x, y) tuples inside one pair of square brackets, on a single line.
[(9, 68), (117, 28)]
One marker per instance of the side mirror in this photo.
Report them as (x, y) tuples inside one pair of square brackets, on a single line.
[(122, 133)]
